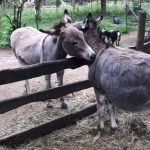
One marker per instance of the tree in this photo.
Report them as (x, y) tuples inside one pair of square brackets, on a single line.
[(58, 3), (1, 1), (37, 7), (103, 7)]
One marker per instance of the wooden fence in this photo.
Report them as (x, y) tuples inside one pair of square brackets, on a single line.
[(14, 75)]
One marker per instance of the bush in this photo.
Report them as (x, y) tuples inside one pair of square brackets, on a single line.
[(51, 16), (5, 32)]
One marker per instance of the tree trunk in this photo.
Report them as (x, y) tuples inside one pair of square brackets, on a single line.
[(44, 2), (37, 7), (103, 7), (58, 3), (73, 4), (1, 1), (141, 30)]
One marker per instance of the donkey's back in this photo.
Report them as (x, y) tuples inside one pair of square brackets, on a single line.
[(124, 76), (27, 43)]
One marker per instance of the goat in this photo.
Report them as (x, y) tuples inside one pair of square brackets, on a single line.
[(112, 36)]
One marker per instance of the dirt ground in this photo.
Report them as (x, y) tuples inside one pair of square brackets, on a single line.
[(133, 132)]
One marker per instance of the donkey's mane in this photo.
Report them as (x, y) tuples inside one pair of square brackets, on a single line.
[(58, 26)]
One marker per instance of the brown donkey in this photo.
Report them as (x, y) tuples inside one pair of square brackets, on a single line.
[(31, 46)]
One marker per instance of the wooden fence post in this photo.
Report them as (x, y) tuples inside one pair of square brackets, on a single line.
[(141, 30), (126, 17)]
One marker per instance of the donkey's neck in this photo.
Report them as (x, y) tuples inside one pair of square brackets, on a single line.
[(92, 38), (56, 49), (60, 53)]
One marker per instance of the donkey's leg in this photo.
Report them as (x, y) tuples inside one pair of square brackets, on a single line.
[(48, 81), (111, 112), (60, 75), (100, 109), (117, 42), (27, 87), (48, 85)]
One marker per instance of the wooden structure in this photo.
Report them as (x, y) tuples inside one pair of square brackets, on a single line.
[(141, 30), (14, 75)]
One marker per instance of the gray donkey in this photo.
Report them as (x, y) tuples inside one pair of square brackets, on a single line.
[(120, 74), (31, 46)]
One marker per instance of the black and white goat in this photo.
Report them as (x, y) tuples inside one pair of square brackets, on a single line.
[(112, 36)]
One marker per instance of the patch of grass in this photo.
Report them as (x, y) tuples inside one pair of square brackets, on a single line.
[(51, 16), (5, 32), (115, 9)]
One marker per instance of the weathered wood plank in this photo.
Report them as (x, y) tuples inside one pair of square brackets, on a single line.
[(18, 74), (47, 128), (147, 48), (141, 30), (9, 104)]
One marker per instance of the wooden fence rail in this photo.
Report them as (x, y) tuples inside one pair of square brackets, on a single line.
[(14, 75), (146, 47), (13, 103), (18, 74), (46, 128)]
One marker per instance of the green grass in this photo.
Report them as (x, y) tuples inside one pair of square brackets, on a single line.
[(51, 16), (4, 32)]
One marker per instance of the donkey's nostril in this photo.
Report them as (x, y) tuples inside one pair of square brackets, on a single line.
[(92, 57)]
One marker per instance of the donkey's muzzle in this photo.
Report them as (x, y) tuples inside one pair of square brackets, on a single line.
[(92, 57)]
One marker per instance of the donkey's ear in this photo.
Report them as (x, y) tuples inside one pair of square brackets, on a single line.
[(86, 22), (99, 19), (51, 31), (67, 17), (89, 16), (44, 31), (56, 30)]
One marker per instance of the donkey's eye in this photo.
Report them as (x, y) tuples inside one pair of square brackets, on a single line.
[(74, 43)]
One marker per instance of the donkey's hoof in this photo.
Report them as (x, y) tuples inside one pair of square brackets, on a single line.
[(64, 106), (25, 92), (100, 128), (73, 94), (114, 128), (49, 105)]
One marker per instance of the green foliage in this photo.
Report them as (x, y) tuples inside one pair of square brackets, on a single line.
[(115, 9), (51, 16), (51, 2), (136, 5), (81, 12), (5, 32)]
